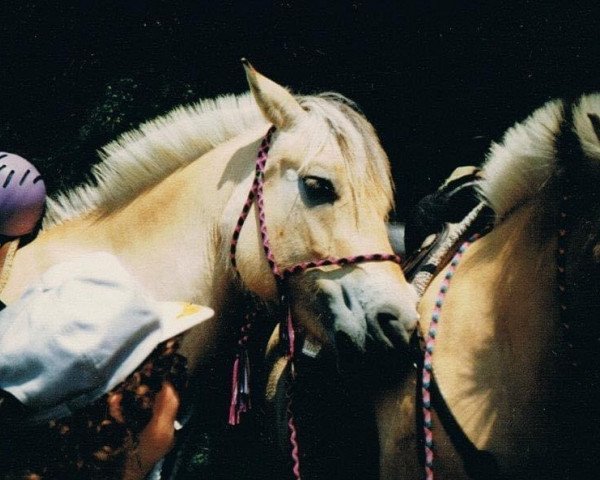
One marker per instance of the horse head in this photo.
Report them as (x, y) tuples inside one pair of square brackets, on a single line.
[(327, 194)]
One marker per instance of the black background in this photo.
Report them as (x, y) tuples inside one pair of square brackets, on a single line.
[(439, 80)]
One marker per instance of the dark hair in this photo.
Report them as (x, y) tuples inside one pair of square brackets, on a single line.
[(92, 443)]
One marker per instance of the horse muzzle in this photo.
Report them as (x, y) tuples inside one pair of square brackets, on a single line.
[(358, 309)]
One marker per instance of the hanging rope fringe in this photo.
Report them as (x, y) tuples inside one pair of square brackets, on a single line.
[(234, 417), (291, 335), (240, 378), (240, 388)]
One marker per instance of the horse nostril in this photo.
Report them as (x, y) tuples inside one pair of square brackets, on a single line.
[(346, 298)]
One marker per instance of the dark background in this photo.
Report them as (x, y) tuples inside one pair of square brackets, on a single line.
[(439, 80)]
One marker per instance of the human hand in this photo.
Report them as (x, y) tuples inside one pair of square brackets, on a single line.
[(157, 438)]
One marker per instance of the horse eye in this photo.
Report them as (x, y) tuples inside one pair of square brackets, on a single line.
[(318, 190)]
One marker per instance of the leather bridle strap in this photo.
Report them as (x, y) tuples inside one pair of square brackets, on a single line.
[(478, 464)]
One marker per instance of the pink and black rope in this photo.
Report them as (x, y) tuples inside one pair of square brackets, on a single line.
[(261, 160), (352, 260), (240, 383)]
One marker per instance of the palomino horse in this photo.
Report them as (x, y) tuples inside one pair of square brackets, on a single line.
[(166, 198), (515, 320)]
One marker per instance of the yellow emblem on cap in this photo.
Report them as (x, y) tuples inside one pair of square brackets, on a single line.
[(188, 309)]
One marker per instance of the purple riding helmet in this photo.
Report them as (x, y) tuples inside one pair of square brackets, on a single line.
[(22, 195)]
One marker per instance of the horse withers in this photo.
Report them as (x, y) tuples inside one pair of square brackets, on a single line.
[(166, 198), (514, 391)]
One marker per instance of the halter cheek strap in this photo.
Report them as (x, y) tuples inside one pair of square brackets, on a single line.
[(256, 193), (240, 397)]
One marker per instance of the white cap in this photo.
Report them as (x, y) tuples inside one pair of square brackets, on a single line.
[(80, 331)]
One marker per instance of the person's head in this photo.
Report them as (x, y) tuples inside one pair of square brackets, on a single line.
[(85, 352), (96, 441)]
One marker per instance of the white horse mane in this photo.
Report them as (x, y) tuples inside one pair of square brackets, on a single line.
[(140, 158), (516, 169)]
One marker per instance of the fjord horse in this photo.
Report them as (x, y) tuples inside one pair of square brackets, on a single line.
[(515, 319), (166, 198)]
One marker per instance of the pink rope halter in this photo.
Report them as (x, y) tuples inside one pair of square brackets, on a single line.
[(240, 401)]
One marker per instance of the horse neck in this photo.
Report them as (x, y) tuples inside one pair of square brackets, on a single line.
[(493, 357), (170, 242), (173, 237)]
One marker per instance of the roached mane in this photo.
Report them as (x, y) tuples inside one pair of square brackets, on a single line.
[(518, 167), (141, 158)]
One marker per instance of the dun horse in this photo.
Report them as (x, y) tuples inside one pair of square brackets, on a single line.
[(515, 319), (166, 200)]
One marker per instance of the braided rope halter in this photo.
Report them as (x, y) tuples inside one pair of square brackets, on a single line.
[(563, 224), (240, 394), (427, 369)]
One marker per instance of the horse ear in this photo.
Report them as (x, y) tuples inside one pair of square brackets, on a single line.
[(595, 121), (277, 104)]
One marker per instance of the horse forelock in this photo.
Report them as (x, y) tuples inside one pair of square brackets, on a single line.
[(335, 119)]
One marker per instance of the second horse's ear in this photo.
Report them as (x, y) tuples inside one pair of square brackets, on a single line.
[(276, 103), (595, 121)]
